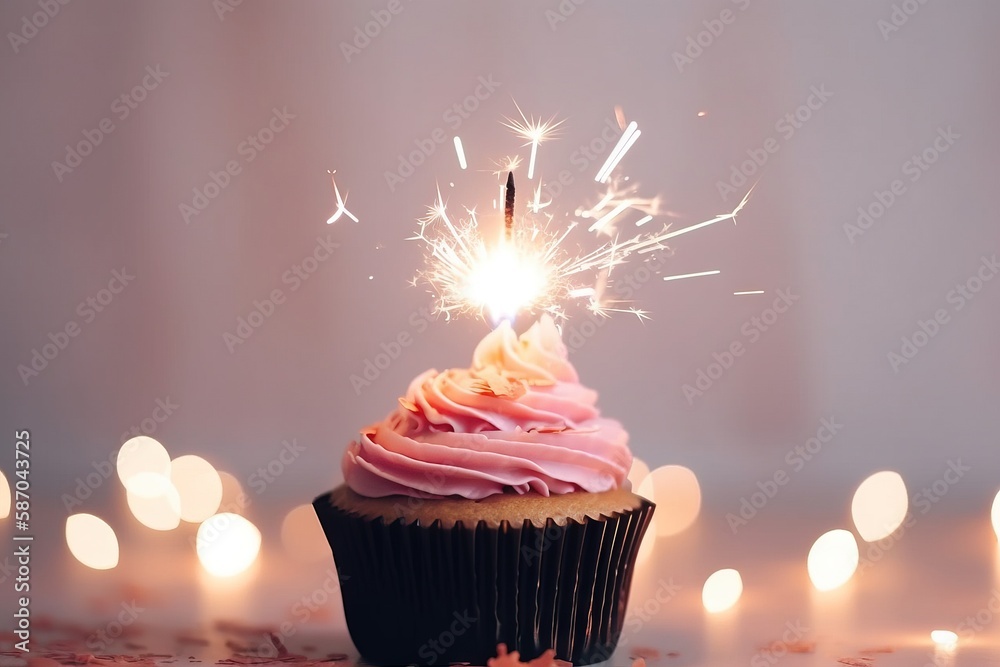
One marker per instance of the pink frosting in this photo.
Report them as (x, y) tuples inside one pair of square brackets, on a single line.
[(517, 421)]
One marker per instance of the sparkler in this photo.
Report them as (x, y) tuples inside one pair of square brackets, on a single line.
[(341, 208), (530, 267), (460, 151), (535, 131)]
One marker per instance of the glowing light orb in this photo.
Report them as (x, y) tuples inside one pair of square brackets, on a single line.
[(648, 544), (677, 495), (160, 512), (302, 535), (233, 498), (505, 282), (143, 466), (198, 485), (227, 544), (944, 638), (996, 515), (4, 497), (92, 541), (833, 559), (880, 505), (722, 590), (637, 473)]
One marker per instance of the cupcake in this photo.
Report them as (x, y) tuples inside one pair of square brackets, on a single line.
[(490, 507)]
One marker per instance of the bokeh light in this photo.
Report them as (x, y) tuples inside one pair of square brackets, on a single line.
[(4, 496), (302, 535), (92, 541), (233, 498), (160, 512), (198, 485), (722, 590), (996, 515), (144, 466), (880, 505), (944, 638), (677, 495), (648, 544), (833, 559), (227, 544), (637, 473)]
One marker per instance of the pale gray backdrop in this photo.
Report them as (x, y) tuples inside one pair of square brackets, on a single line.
[(887, 93)]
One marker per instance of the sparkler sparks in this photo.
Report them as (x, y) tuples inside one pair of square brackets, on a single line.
[(628, 138), (528, 266), (682, 276), (460, 151), (341, 208), (535, 131)]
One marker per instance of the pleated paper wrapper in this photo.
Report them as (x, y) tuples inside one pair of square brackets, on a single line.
[(437, 594)]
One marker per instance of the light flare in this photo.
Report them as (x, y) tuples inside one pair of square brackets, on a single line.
[(92, 541), (722, 590), (879, 506), (341, 203), (944, 638), (143, 466), (535, 131), (833, 559), (995, 515), (4, 496), (460, 151), (625, 142), (532, 265), (682, 276), (227, 544), (198, 485)]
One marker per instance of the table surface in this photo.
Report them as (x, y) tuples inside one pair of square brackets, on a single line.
[(940, 573)]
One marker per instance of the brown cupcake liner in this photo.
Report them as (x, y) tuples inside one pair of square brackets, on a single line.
[(433, 594)]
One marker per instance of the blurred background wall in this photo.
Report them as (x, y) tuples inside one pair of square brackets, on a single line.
[(897, 105)]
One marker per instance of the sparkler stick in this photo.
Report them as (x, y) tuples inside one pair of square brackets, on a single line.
[(508, 207)]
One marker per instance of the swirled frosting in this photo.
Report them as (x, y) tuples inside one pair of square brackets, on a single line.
[(517, 421)]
